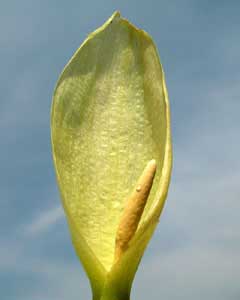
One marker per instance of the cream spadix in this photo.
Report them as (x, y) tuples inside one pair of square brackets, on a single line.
[(133, 210), (110, 129)]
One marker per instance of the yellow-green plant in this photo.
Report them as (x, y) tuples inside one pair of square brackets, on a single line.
[(110, 128)]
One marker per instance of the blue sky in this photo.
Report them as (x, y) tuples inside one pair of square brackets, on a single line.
[(195, 251)]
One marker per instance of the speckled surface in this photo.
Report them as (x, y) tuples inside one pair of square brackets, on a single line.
[(108, 121)]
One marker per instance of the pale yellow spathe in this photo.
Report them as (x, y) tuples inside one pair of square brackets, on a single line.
[(110, 117)]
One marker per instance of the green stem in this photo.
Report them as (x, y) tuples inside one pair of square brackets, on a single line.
[(111, 294)]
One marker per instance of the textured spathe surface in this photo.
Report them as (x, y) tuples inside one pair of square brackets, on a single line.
[(109, 118)]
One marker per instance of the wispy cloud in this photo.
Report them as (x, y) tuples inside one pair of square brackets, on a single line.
[(44, 221)]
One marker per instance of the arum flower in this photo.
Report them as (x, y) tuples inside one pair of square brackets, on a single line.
[(111, 143)]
